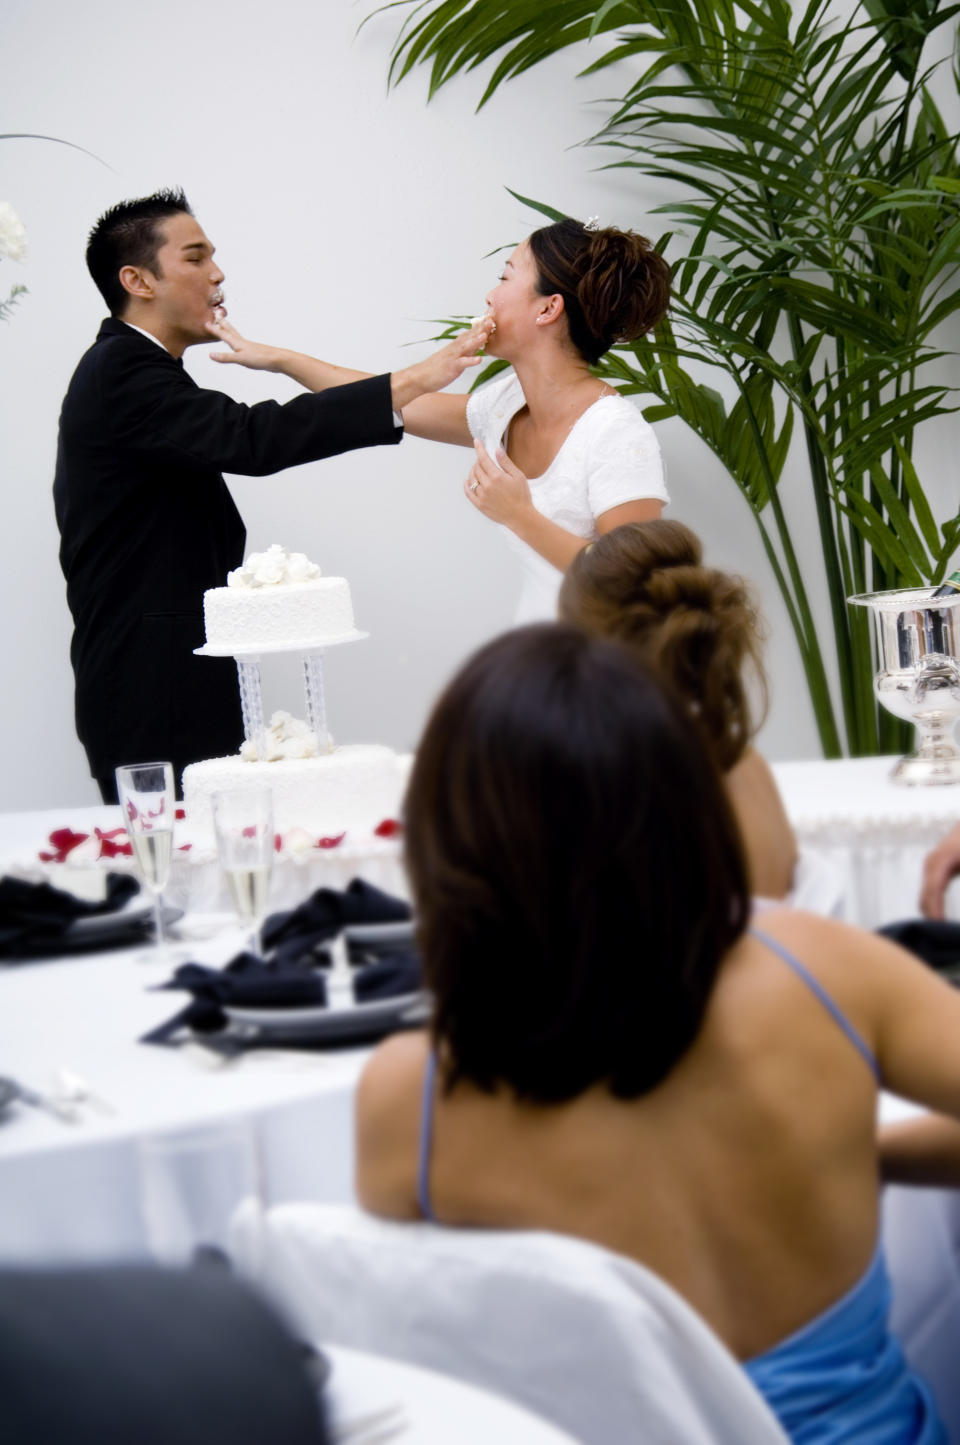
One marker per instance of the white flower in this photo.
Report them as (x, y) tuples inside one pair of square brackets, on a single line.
[(299, 844), (86, 852), (13, 237), (286, 737), (300, 568), (273, 567)]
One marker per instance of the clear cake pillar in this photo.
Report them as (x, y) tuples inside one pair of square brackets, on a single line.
[(251, 703), (316, 700)]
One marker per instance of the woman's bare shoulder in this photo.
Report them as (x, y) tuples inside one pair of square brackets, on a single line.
[(388, 1102)]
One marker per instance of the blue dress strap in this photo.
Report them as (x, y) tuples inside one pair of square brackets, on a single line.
[(818, 989), (426, 1138)]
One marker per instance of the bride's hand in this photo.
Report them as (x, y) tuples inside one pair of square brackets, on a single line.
[(498, 489), (253, 354)]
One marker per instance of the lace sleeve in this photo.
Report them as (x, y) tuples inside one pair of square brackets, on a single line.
[(625, 462)]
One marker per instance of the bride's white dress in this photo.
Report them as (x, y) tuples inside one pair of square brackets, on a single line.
[(610, 456)]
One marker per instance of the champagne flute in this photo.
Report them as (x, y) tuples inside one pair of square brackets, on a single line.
[(146, 795), (243, 823)]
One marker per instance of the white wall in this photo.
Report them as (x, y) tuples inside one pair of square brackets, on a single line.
[(344, 218)]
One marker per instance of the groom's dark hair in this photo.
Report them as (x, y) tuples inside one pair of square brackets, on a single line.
[(128, 235)]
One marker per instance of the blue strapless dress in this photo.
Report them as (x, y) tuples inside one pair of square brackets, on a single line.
[(843, 1377)]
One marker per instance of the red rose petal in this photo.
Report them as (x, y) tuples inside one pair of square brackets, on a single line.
[(184, 847), (389, 828), (277, 841), (180, 814), (65, 839), (330, 842)]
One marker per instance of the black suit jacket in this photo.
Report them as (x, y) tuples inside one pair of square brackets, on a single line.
[(147, 525)]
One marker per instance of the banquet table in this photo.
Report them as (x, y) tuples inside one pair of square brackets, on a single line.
[(177, 1134), (870, 833), (180, 1137)]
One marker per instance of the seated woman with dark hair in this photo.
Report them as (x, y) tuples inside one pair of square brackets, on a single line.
[(614, 1056), (698, 628)]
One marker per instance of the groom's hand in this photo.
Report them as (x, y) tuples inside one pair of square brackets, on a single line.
[(443, 367)]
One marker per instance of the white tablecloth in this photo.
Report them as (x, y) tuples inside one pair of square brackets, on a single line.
[(437, 1409), (276, 1122), (280, 1124), (874, 833)]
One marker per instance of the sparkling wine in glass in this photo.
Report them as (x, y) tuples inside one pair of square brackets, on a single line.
[(147, 800), (243, 823)]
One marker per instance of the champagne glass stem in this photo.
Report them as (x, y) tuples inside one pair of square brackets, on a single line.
[(158, 923)]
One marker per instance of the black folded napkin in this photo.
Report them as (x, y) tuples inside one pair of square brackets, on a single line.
[(395, 974), (245, 982), (35, 916), (935, 940), (325, 913), (295, 973)]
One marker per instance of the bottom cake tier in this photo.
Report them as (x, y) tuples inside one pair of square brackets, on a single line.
[(351, 789)]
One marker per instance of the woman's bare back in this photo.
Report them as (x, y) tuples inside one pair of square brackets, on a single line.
[(747, 1180)]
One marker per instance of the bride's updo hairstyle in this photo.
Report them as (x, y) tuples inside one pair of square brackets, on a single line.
[(645, 584), (614, 285), (576, 870)]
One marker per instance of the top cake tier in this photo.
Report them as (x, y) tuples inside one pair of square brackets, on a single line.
[(284, 616)]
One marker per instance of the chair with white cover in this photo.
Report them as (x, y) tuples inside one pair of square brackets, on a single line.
[(821, 884), (921, 1242), (581, 1336)]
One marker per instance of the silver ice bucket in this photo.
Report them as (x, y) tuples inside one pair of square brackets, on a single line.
[(918, 677)]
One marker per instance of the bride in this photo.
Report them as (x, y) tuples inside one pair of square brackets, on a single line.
[(560, 457)]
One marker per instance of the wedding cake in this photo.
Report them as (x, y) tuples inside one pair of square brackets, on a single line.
[(279, 601)]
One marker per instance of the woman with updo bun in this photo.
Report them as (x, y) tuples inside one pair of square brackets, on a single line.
[(560, 457), (697, 628)]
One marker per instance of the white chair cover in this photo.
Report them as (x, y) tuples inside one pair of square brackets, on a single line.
[(921, 1237), (820, 884), (583, 1337)]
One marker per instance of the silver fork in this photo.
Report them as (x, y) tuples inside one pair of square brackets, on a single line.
[(60, 1109)]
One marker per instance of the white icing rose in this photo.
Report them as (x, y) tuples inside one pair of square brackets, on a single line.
[(299, 844), (86, 852), (274, 566), (13, 236), (286, 737), (300, 568)]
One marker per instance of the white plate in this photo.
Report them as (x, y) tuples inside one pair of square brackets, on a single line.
[(261, 650), (286, 1020), (364, 1023), (135, 912), (400, 931)]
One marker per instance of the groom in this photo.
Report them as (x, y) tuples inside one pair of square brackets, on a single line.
[(146, 522)]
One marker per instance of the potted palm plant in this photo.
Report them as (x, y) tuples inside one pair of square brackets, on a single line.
[(814, 234)]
